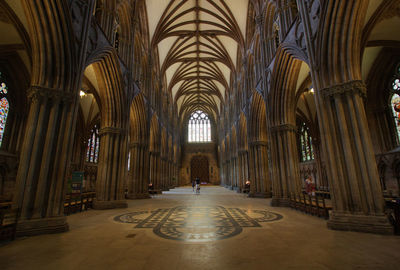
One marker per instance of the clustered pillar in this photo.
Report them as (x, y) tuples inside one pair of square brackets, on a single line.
[(138, 181), (260, 181), (243, 168), (41, 178), (355, 189), (154, 171), (111, 169), (285, 164)]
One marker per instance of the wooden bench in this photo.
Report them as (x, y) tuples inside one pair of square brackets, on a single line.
[(314, 205), (78, 203)]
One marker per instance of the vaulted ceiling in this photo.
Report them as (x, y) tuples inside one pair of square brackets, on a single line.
[(198, 43)]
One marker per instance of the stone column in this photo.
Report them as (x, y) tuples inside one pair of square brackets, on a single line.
[(228, 182), (243, 168), (235, 170), (260, 183), (285, 164), (356, 193), (41, 177), (111, 169), (138, 182)]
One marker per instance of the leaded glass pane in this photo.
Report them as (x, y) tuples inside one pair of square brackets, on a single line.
[(395, 102)]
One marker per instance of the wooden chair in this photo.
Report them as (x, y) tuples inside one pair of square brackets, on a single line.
[(292, 200), (300, 202), (8, 223)]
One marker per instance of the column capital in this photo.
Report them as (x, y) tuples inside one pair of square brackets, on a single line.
[(111, 130), (284, 128), (37, 92), (242, 151), (137, 144), (155, 153), (260, 20), (351, 88), (258, 143)]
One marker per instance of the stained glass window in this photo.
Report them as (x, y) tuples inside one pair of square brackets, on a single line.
[(395, 100), (93, 146), (4, 108), (199, 128), (306, 147)]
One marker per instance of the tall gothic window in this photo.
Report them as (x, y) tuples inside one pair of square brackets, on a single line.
[(4, 108), (306, 147), (93, 146), (395, 100), (199, 128)]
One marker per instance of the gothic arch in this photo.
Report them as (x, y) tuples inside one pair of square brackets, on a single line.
[(138, 120), (113, 105), (258, 119)]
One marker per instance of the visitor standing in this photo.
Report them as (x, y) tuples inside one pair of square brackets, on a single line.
[(197, 185)]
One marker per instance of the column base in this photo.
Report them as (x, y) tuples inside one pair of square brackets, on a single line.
[(38, 226), (259, 194), (360, 223), (280, 202), (103, 205), (137, 196)]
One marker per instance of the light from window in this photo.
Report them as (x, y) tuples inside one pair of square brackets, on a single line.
[(92, 154), (199, 128)]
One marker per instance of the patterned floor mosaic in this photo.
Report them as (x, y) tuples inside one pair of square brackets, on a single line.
[(198, 224)]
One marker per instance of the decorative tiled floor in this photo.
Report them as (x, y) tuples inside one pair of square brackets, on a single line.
[(198, 224)]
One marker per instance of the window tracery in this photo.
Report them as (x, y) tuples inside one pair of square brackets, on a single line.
[(199, 127)]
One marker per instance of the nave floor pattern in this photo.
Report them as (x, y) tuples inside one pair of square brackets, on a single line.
[(218, 229)]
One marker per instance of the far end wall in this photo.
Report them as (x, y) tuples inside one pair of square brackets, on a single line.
[(191, 150)]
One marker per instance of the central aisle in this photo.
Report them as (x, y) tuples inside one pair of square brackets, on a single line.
[(218, 229)]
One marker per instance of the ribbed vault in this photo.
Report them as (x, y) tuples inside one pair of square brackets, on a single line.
[(198, 43)]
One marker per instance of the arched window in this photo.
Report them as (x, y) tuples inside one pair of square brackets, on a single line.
[(395, 100), (93, 146), (4, 108), (199, 128), (276, 35), (306, 147)]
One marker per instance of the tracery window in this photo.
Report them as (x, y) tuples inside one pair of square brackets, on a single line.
[(93, 146), (395, 99), (199, 128), (4, 107), (306, 147)]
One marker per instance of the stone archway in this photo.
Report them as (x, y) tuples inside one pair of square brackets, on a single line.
[(199, 167)]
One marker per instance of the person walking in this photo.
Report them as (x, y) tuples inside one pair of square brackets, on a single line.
[(193, 184)]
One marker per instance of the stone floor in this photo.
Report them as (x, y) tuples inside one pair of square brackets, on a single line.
[(217, 229)]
